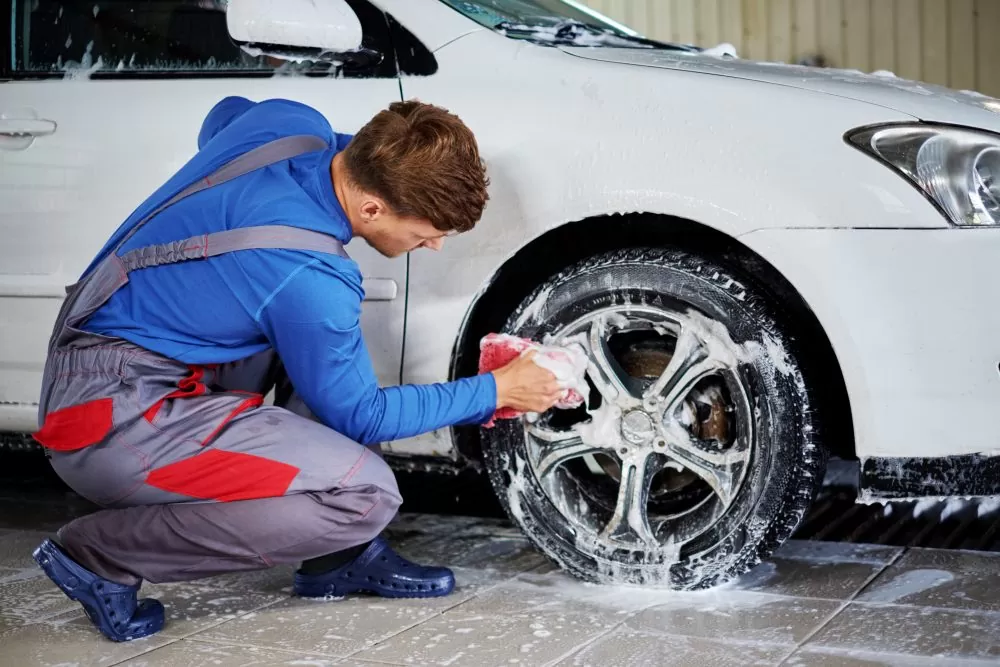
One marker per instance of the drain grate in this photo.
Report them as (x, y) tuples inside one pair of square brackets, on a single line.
[(956, 523), (947, 524)]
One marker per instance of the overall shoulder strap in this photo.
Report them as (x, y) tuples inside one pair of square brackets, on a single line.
[(244, 238), (262, 156)]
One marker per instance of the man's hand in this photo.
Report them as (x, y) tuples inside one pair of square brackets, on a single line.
[(525, 386)]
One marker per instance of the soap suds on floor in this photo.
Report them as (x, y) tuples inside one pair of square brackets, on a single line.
[(906, 584)]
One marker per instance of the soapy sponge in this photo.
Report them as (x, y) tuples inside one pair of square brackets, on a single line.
[(568, 362)]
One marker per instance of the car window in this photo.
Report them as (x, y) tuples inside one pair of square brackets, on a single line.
[(165, 38)]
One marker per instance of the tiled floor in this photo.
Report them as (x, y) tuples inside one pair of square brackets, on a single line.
[(814, 603)]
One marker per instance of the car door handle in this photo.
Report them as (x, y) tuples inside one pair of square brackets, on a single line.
[(26, 127)]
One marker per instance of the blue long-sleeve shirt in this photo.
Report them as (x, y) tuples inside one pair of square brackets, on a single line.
[(305, 305)]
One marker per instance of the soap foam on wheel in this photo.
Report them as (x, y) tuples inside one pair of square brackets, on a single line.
[(736, 330)]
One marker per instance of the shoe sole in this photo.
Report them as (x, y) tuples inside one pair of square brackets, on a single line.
[(341, 590), (49, 560)]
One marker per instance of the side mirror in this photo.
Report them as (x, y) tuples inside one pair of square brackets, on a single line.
[(325, 25)]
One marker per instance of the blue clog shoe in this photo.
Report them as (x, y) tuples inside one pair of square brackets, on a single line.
[(113, 608), (381, 571)]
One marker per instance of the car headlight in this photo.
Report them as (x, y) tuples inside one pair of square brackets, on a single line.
[(958, 169)]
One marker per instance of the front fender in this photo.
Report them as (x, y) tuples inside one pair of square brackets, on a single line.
[(567, 139), (912, 318)]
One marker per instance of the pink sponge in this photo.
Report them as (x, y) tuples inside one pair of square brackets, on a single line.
[(568, 362)]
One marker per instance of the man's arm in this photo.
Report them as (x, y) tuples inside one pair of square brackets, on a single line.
[(313, 322)]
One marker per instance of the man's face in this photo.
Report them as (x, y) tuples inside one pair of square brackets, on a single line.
[(393, 235)]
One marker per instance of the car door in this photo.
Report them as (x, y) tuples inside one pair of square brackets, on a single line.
[(100, 103)]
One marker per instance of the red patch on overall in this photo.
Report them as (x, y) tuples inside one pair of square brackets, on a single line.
[(225, 476), (77, 426)]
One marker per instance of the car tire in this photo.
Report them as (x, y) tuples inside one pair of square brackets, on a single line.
[(697, 401)]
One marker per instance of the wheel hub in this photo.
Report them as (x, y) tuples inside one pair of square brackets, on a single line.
[(637, 427)]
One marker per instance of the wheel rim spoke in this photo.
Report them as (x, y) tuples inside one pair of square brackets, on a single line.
[(619, 515), (549, 435), (553, 448), (720, 470), (629, 524), (603, 369), (689, 365)]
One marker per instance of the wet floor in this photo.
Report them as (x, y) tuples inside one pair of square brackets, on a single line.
[(814, 603)]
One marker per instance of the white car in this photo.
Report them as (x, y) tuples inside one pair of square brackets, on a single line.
[(769, 264)]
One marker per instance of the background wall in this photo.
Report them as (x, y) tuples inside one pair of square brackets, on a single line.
[(950, 42)]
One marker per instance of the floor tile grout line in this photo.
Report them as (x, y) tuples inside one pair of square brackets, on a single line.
[(48, 617), (194, 635), (486, 589), (815, 631), (629, 616), (227, 620), (894, 561), (785, 659), (930, 607), (235, 588), (792, 648), (582, 647), (17, 576), (142, 653), (837, 651), (301, 654), (368, 647), (425, 620), (795, 649), (19, 569), (531, 570), (871, 580), (47, 620), (377, 662), (844, 605), (716, 640), (264, 647)]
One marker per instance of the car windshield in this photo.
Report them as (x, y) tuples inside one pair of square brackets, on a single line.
[(540, 13), (554, 22)]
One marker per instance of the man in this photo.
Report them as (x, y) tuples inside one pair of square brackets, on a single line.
[(231, 280)]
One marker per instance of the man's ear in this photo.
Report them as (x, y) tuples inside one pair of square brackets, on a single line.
[(371, 208)]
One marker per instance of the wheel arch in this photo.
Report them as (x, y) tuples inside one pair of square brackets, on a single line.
[(569, 243)]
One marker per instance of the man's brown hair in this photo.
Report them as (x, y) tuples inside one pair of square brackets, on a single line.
[(424, 162)]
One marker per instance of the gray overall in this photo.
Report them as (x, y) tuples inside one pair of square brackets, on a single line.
[(197, 475)]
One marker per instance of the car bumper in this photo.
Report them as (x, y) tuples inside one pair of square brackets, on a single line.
[(914, 319)]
